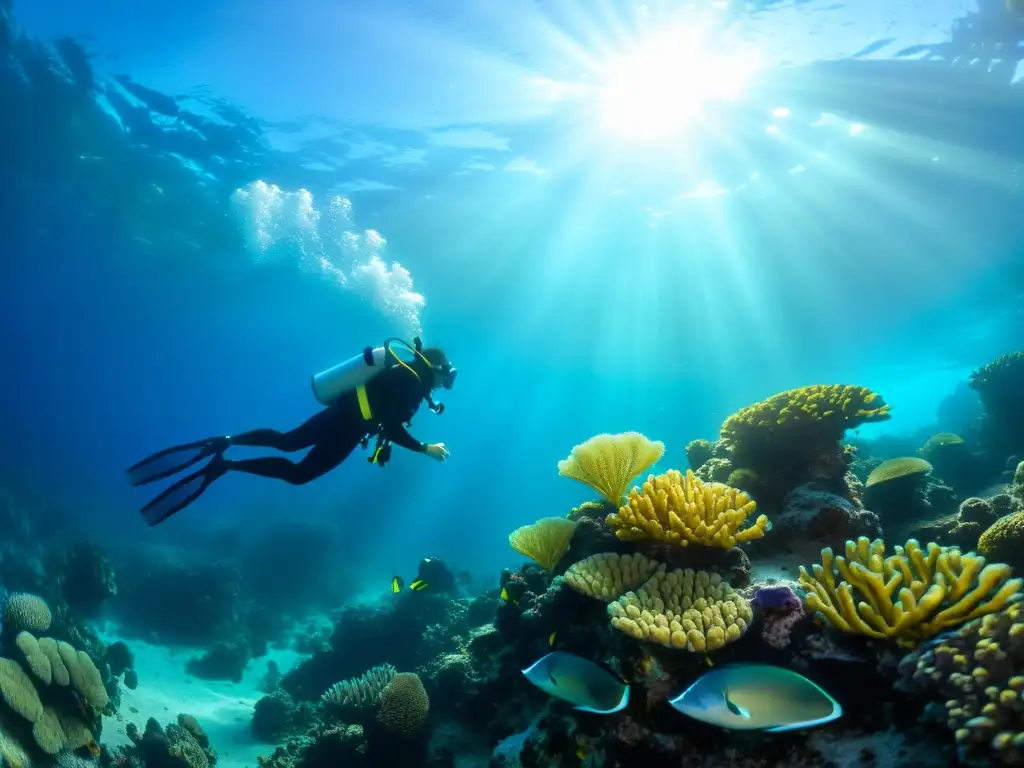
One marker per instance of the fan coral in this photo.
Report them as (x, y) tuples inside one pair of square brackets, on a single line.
[(935, 589), (362, 691), (683, 510), (545, 542), (608, 575), (894, 469), (978, 668), (404, 705), (683, 609), (609, 463), (819, 411)]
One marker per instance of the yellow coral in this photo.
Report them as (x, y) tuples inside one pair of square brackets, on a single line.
[(608, 575), (683, 609), (976, 669), (910, 596), (828, 409), (48, 733), (58, 670), (609, 463), (545, 541), (682, 509), (85, 678), (37, 661), (25, 611), (18, 691), (1004, 538), (893, 469)]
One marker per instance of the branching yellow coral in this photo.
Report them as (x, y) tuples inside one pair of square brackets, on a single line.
[(826, 410), (608, 575), (683, 609), (681, 509), (609, 463), (910, 596), (545, 541)]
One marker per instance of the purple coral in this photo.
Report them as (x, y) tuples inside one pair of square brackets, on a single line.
[(780, 610)]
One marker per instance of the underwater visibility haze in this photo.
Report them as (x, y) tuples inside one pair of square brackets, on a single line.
[(495, 384)]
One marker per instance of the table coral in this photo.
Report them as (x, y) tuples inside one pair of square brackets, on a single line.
[(607, 575), (681, 509), (909, 596), (545, 541), (687, 609)]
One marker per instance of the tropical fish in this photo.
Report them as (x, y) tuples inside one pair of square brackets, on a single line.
[(507, 598), (418, 584), (589, 687), (748, 697), (397, 584), (551, 639)]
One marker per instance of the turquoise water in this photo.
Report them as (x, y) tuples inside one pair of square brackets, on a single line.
[(612, 216)]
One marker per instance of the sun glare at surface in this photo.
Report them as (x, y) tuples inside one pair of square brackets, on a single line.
[(659, 88)]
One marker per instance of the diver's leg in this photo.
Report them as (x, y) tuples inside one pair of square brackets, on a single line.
[(303, 436), (321, 459)]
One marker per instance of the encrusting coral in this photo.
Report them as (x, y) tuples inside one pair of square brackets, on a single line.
[(545, 542), (909, 596), (1004, 539), (684, 510), (894, 469), (683, 609), (404, 705), (609, 463), (607, 575), (978, 667)]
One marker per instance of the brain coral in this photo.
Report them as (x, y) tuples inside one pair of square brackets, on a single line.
[(404, 705), (893, 469), (28, 612)]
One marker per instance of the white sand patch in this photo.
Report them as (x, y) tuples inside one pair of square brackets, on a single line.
[(223, 709)]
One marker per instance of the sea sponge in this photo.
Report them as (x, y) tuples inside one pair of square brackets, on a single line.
[(699, 452), (545, 541), (681, 509), (609, 463), (683, 609), (85, 678), (934, 589), (905, 466), (404, 705), (608, 575), (814, 413), (25, 611), (18, 691), (362, 691), (38, 662), (977, 671)]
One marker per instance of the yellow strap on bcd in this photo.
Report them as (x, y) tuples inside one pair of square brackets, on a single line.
[(364, 403)]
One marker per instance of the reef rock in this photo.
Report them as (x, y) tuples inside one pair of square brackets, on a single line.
[(812, 517)]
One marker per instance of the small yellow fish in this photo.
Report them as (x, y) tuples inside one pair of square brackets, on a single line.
[(708, 661), (507, 598), (551, 639), (418, 584), (396, 585)]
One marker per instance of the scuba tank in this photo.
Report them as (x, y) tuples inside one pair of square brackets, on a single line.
[(358, 370)]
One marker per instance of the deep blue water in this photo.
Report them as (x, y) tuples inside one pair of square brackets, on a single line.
[(582, 282)]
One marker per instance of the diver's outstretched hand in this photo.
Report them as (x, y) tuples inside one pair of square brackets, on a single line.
[(437, 452)]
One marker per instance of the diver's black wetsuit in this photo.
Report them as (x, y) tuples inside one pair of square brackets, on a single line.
[(394, 396)]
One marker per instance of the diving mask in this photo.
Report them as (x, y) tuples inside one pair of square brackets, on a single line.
[(446, 375)]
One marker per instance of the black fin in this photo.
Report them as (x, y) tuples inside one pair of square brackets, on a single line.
[(179, 495), (173, 460)]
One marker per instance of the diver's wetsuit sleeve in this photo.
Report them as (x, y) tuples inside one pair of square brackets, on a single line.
[(396, 398)]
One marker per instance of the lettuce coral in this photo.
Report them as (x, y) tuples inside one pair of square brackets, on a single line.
[(609, 463), (687, 609), (910, 596), (681, 509)]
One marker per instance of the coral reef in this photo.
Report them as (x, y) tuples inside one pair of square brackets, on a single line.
[(607, 575), (909, 596), (999, 384), (545, 542), (683, 510)]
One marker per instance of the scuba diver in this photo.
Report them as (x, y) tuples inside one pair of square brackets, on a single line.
[(375, 393)]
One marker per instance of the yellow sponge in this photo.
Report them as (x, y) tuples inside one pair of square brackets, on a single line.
[(609, 463), (682, 509), (683, 609), (608, 575)]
